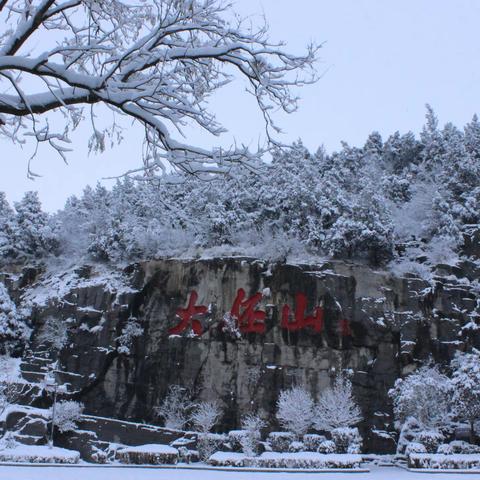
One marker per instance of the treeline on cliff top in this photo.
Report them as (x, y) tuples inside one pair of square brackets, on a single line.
[(405, 200)]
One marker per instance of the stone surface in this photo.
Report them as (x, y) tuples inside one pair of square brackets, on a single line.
[(393, 325)]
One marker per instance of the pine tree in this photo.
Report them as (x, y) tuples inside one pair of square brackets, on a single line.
[(33, 235), (7, 226), (14, 330), (433, 145)]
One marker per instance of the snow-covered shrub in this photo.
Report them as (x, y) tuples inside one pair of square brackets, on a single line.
[(228, 459), (466, 388), (295, 410), (408, 433), (327, 446), (175, 408), (130, 331), (423, 395), (209, 443), (253, 425), (430, 439), (235, 439), (187, 456), (337, 407), (354, 448), (445, 449), (14, 330), (99, 456), (153, 454), (39, 454), (415, 447), (67, 414), (296, 447), (280, 441), (205, 415), (312, 441), (346, 439), (306, 460), (459, 446), (53, 333), (444, 462)]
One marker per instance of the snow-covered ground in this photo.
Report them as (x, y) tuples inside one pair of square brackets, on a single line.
[(122, 473)]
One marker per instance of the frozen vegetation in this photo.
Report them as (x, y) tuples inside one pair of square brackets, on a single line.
[(403, 201)]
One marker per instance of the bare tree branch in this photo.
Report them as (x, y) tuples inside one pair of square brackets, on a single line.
[(157, 62)]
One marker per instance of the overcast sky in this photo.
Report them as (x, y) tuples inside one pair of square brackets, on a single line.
[(382, 61)]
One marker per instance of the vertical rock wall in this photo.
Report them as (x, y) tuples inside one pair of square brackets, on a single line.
[(371, 323)]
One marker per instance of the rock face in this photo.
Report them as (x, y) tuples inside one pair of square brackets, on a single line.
[(376, 325)]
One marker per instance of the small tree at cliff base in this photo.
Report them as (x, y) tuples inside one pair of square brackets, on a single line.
[(423, 395), (295, 410), (337, 407), (175, 408)]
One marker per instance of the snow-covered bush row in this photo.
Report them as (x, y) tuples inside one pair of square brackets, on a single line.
[(285, 460), (38, 454), (416, 192), (306, 460), (148, 455), (439, 461), (456, 447), (228, 459)]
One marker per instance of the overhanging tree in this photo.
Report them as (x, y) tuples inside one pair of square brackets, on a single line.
[(155, 61)]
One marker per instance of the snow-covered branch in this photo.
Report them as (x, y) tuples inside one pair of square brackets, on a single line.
[(157, 63)]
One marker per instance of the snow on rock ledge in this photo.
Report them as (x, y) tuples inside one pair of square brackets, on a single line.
[(39, 454)]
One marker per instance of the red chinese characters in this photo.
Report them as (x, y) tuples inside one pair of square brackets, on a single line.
[(249, 319), (187, 317), (301, 321)]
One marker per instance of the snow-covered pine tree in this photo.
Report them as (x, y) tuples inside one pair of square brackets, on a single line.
[(33, 234), (7, 227), (14, 330)]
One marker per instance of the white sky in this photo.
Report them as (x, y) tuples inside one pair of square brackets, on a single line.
[(383, 60)]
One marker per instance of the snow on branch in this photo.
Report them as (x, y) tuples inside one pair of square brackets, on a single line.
[(156, 62)]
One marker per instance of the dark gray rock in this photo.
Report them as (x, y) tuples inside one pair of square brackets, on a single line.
[(394, 324)]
